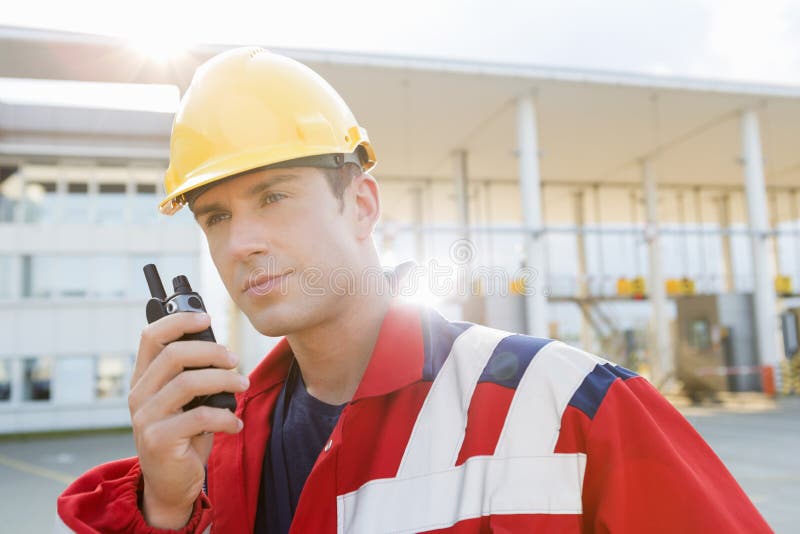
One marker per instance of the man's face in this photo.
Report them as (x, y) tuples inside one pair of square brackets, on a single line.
[(275, 237)]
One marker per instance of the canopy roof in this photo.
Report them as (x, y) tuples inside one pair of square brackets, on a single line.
[(594, 127)]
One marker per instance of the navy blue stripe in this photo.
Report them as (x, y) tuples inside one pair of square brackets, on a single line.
[(593, 389), (510, 359), (438, 335)]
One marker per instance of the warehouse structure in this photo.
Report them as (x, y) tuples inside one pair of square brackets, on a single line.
[(599, 198)]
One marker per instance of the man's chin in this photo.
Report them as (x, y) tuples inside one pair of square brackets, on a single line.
[(276, 320)]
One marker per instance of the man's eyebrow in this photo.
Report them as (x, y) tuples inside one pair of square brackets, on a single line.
[(253, 191), (199, 212), (266, 184)]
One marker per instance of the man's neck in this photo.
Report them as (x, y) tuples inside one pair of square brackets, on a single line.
[(334, 355)]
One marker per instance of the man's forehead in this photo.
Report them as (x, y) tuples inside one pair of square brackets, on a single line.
[(254, 181)]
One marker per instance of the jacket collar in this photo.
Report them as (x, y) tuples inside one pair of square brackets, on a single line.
[(397, 358)]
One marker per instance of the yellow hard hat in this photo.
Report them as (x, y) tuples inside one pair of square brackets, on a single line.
[(248, 108)]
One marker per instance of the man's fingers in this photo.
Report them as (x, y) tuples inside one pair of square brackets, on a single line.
[(187, 385), (159, 334), (187, 425), (176, 357)]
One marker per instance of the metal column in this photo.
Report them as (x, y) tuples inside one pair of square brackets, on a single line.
[(662, 360), (531, 197), (764, 294)]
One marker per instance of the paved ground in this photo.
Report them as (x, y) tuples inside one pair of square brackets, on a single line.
[(760, 448)]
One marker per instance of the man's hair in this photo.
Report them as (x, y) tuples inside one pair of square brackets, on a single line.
[(339, 179)]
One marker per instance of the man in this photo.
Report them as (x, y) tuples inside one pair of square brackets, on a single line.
[(371, 415)]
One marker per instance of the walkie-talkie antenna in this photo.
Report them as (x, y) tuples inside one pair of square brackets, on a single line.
[(154, 282)]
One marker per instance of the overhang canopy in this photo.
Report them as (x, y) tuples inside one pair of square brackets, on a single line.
[(594, 127)]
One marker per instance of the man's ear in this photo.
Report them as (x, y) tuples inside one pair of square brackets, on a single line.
[(367, 204)]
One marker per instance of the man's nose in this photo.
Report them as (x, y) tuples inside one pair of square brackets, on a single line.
[(247, 238)]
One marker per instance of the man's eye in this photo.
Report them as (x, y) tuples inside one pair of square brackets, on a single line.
[(272, 197), (214, 219)]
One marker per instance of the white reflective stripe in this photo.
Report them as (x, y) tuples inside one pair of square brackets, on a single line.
[(483, 485), (534, 416), (439, 430)]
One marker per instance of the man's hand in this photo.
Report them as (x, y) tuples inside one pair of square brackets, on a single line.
[(174, 445)]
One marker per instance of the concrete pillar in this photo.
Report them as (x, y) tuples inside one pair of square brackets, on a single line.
[(487, 199), (531, 198), (702, 276), (583, 283), (461, 179), (724, 217), (796, 237), (763, 269), (661, 359), (774, 222), (462, 254), (417, 214), (633, 197), (598, 238)]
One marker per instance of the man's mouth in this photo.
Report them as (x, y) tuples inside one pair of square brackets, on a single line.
[(261, 282)]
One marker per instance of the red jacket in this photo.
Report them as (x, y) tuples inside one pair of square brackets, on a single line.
[(461, 428)]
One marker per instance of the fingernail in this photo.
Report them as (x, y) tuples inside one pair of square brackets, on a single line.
[(232, 357), (245, 381), (202, 317), (240, 423)]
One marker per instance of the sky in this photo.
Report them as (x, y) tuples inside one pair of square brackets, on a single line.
[(754, 41)]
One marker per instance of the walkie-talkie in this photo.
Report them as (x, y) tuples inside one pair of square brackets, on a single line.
[(184, 300)]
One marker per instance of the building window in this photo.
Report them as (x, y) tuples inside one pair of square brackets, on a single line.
[(145, 204), (110, 203), (5, 380), (172, 265), (76, 203), (37, 375), (47, 276), (6, 281), (73, 276), (41, 202), (39, 276), (136, 284), (111, 376), (110, 276)]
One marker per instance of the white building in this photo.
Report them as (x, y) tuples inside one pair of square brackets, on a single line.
[(529, 163)]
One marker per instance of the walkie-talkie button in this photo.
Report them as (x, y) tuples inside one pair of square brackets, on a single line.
[(194, 302)]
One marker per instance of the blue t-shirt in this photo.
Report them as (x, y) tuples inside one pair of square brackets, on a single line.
[(307, 426)]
